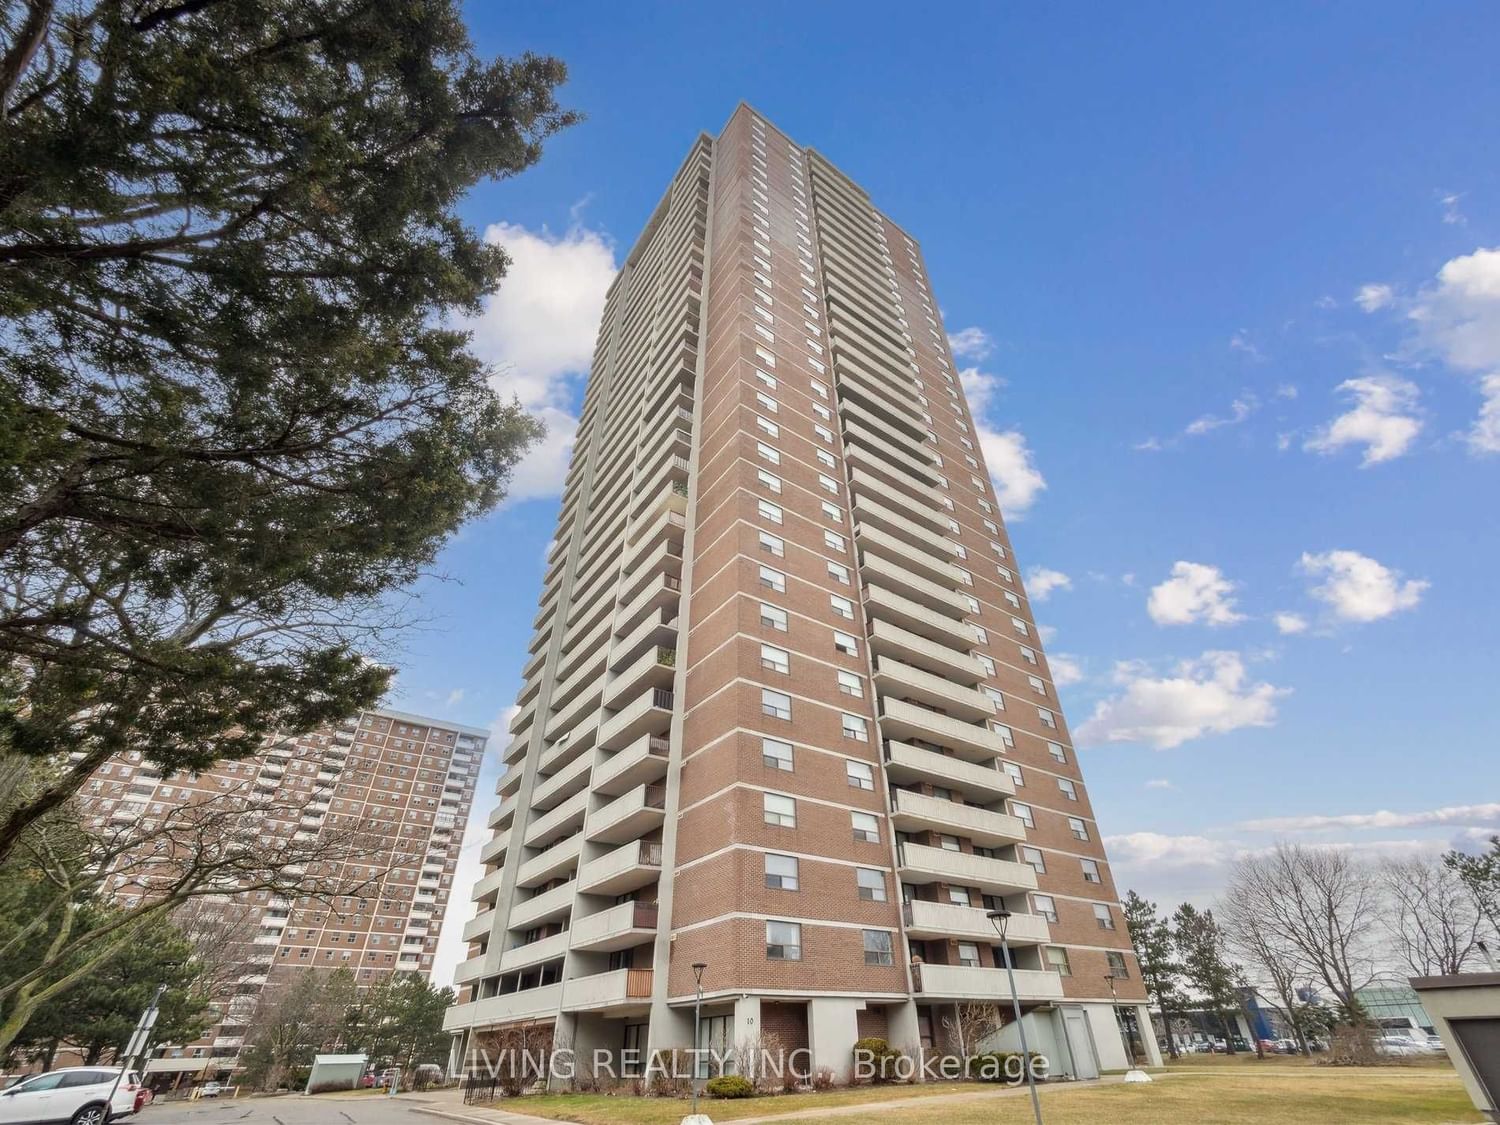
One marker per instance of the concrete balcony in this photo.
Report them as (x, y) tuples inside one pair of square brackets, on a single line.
[(509, 1008), (925, 920), (665, 559), (503, 815), (557, 860), (672, 500), (479, 926), (886, 605), (903, 474), (619, 927), (626, 868), (617, 993), (659, 630), (902, 681), (662, 591), (564, 820), (916, 812), (572, 743), (493, 850), (960, 982), (654, 668), (545, 907), (563, 784), (630, 816), (470, 970), (932, 516), (569, 716), (642, 762), (959, 667), (651, 713), (905, 764), (489, 886), (916, 554), (919, 863), (906, 722), (534, 953)]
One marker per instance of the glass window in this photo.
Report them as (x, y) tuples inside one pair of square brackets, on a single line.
[(773, 578), (866, 827), (871, 884), (783, 941), (1033, 856), (768, 511), (959, 896), (1045, 906), (769, 480), (1079, 829), (780, 810), (773, 617), (1104, 916), (860, 775), (1067, 788), (849, 684), (843, 607), (1090, 871), (781, 872), (1023, 814), (772, 544), (838, 573), (776, 659), (968, 954), (834, 542), (1048, 719), (878, 948), (776, 754), (775, 704), (766, 453), (1057, 752), (1117, 967), (950, 844), (845, 643), (767, 427), (1013, 771), (854, 727), (1057, 960)]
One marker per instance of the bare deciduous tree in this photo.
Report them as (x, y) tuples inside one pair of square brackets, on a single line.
[(1430, 916), (1273, 960)]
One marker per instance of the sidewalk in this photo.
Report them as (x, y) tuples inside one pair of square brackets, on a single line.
[(448, 1105)]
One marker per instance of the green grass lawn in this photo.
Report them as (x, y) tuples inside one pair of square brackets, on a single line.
[(1287, 1091)]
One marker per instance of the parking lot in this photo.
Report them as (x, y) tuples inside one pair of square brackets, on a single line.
[(290, 1110)]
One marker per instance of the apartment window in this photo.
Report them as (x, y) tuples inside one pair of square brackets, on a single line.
[(1020, 626), (1023, 814), (776, 659), (765, 334), (866, 827), (845, 643), (1045, 906), (773, 578), (1037, 685), (1007, 736), (950, 844), (780, 810), (767, 453), (767, 403), (1079, 829), (773, 544), (834, 542), (776, 755), (878, 949), (1047, 718), (828, 484), (849, 684), (860, 775), (783, 941), (770, 480), (854, 727), (839, 573), (1117, 966), (1057, 752), (871, 884), (959, 896), (768, 511), (824, 458), (1033, 857), (775, 704), (822, 412), (781, 872), (1104, 916), (973, 604), (981, 634), (1090, 871), (824, 433), (1057, 961), (968, 955), (996, 696), (773, 617), (831, 513), (1013, 771), (842, 607), (1028, 655), (986, 663), (818, 388), (767, 427)]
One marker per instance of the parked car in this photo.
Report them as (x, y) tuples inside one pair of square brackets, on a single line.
[(210, 1090), (1436, 1045), (77, 1095), (1398, 1046)]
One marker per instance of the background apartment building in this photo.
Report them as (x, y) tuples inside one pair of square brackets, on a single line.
[(405, 782), (786, 710)]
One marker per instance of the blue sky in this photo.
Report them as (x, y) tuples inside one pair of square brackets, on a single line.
[(1235, 281)]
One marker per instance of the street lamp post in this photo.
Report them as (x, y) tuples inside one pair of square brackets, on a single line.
[(999, 919), (698, 967)]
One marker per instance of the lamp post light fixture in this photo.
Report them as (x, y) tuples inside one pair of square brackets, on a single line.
[(1000, 919), (698, 967)]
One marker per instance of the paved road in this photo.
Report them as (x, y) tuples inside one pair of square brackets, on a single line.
[(371, 1110)]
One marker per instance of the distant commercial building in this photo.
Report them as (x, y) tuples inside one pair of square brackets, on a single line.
[(405, 781), (786, 709)]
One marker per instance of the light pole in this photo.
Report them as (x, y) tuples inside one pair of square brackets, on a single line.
[(1114, 1001), (999, 919), (698, 967)]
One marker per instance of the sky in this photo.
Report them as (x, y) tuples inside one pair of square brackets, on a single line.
[(1227, 285)]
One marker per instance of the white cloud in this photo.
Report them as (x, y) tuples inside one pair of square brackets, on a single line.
[(1484, 435), (1017, 480), (1160, 850), (539, 331), (1195, 594), (1451, 214), (1485, 815), (1209, 695), (1383, 419), (1046, 633), (1290, 623), (1041, 581), (1159, 783), (454, 697), (971, 343), (1150, 445), (1458, 318), (1240, 342), (1240, 409), (1065, 669), (1357, 588), (1374, 297), (1286, 390), (981, 388)]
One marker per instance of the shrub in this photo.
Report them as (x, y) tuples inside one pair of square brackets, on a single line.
[(881, 1054), (729, 1086), (1002, 1066), (823, 1080)]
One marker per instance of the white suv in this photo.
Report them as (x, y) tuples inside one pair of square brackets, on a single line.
[(75, 1095)]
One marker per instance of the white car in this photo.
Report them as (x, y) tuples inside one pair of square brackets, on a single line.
[(75, 1095)]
